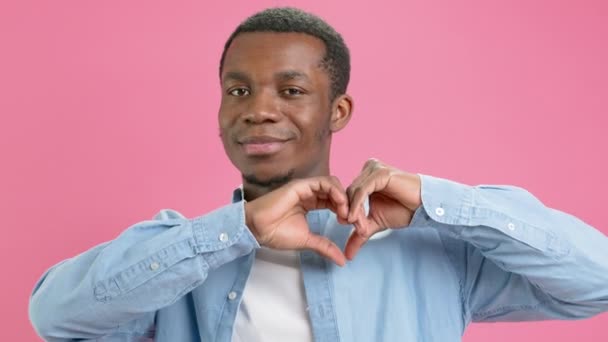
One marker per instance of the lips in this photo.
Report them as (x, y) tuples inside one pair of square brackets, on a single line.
[(260, 139), (262, 145)]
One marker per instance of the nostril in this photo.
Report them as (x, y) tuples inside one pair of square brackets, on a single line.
[(260, 117)]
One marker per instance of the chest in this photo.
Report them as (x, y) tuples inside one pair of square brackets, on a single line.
[(400, 287)]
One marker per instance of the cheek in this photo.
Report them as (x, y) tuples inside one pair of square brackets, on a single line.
[(224, 120), (316, 132), (224, 132), (225, 113)]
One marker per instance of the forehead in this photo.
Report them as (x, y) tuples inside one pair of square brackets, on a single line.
[(265, 53)]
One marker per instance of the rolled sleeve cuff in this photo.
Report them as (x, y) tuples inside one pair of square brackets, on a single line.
[(224, 233), (446, 201), (466, 212)]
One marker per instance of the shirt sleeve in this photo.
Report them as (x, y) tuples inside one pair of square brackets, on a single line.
[(516, 258), (149, 266)]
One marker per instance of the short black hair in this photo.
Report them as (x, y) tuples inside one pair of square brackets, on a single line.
[(288, 19)]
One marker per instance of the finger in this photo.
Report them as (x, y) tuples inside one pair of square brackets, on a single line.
[(326, 186), (341, 212), (353, 245), (356, 215), (342, 221), (351, 193), (365, 172), (316, 189), (374, 183), (331, 189), (370, 163), (325, 248), (327, 204), (367, 187), (358, 184), (339, 198), (362, 222), (358, 198)]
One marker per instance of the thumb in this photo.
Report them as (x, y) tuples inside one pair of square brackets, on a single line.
[(326, 248)]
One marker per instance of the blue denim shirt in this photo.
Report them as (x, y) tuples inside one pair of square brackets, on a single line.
[(484, 253)]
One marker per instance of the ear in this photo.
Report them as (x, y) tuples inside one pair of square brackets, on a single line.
[(342, 109)]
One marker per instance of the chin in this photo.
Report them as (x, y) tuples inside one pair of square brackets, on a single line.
[(271, 178)]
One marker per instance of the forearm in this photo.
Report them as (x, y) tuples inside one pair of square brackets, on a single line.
[(558, 253), (149, 266)]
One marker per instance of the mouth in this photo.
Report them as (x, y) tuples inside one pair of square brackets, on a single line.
[(262, 145)]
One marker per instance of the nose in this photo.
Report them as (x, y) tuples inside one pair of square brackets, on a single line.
[(263, 108)]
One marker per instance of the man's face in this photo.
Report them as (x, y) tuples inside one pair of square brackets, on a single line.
[(274, 116)]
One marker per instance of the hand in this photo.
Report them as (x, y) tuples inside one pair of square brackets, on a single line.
[(394, 196), (278, 219)]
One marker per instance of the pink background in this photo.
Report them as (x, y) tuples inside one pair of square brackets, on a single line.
[(108, 114)]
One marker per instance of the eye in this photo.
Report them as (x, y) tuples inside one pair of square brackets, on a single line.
[(239, 92), (292, 92)]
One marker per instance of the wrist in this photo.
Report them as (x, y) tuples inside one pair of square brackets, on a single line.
[(410, 190)]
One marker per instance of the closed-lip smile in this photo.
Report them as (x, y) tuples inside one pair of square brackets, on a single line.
[(260, 139), (261, 145)]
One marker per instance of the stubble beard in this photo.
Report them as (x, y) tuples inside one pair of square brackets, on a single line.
[(270, 183)]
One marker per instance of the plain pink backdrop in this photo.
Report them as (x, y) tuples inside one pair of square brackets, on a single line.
[(108, 114)]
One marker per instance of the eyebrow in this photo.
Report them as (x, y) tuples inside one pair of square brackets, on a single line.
[(283, 76), (237, 76), (289, 75)]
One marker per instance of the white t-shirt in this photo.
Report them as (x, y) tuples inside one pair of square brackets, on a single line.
[(273, 307)]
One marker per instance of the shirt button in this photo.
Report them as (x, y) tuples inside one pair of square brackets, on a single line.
[(439, 211), (511, 226), (232, 295), (223, 237), (154, 266)]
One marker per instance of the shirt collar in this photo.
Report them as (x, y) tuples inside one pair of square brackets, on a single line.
[(237, 194)]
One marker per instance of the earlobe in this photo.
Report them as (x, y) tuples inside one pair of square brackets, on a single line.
[(342, 110)]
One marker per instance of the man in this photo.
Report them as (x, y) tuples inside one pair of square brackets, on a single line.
[(271, 267)]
